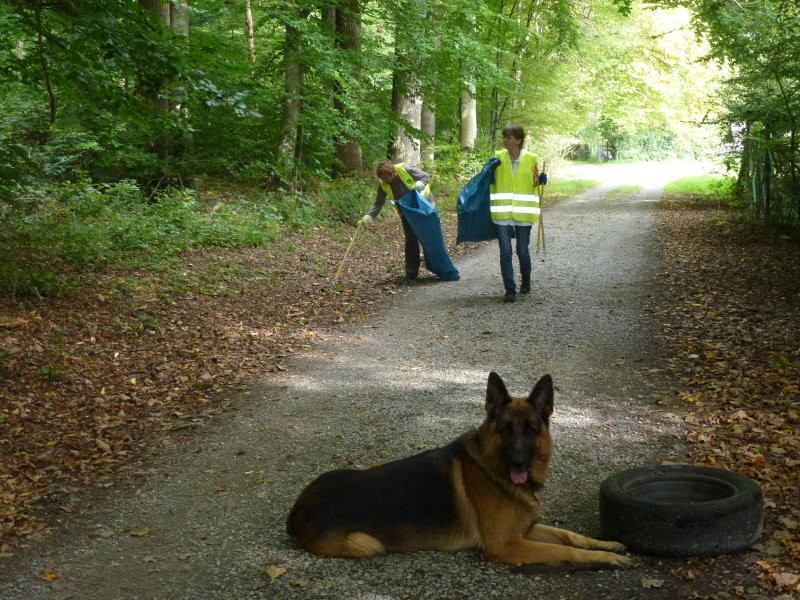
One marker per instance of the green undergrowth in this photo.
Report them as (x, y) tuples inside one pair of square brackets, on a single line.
[(711, 187), (52, 238)]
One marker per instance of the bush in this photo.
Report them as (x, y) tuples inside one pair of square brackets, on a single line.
[(49, 236), (52, 236), (347, 199)]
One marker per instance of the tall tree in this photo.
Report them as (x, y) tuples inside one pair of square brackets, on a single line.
[(347, 20), (248, 29), (290, 134), (168, 99), (468, 115), (406, 97), (468, 123), (159, 8)]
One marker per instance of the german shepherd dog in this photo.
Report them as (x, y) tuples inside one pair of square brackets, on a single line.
[(477, 492)]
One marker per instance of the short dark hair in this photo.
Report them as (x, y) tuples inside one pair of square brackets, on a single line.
[(516, 131)]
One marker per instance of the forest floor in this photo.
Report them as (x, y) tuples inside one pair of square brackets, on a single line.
[(103, 392)]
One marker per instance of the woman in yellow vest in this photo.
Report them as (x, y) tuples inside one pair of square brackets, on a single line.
[(396, 181), (515, 207)]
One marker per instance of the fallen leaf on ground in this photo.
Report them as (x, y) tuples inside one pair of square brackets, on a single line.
[(275, 572), (103, 533)]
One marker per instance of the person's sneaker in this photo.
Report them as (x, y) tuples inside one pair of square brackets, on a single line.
[(510, 296), (411, 276), (525, 288)]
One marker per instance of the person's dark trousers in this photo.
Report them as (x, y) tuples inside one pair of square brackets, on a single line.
[(523, 236), (412, 249)]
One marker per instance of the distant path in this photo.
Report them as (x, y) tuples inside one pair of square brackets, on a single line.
[(206, 518)]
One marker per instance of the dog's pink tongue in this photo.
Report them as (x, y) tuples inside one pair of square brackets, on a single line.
[(519, 477)]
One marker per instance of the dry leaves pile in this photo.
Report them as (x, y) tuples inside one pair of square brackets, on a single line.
[(733, 316), (88, 381)]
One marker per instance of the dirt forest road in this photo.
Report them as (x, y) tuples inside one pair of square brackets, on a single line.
[(207, 519)]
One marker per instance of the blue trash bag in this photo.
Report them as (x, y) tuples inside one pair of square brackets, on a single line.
[(474, 214), (424, 220)]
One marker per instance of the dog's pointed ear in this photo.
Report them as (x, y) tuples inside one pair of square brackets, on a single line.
[(496, 395), (542, 397)]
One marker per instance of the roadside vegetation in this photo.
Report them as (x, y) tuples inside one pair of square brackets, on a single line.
[(730, 310)]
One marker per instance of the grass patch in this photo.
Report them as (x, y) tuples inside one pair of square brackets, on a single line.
[(624, 190), (700, 185), (564, 188), (705, 189)]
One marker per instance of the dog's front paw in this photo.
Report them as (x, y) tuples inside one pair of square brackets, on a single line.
[(616, 560), (611, 546)]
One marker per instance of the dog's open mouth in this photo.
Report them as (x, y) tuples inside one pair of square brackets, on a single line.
[(519, 477)]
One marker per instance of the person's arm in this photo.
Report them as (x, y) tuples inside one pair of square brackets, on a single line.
[(421, 179), (380, 200), (418, 174)]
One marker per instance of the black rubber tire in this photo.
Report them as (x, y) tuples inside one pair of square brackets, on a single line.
[(681, 510)]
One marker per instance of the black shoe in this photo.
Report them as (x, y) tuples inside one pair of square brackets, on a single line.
[(510, 296), (411, 276), (525, 288)]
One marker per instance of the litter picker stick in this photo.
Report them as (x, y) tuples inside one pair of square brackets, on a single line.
[(540, 231), (344, 258)]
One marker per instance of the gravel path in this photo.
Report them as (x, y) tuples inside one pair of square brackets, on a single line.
[(206, 518)]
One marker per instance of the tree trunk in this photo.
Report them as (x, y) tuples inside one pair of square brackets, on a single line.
[(406, 101), (428, 116), (289, 137), (468, 106), (248, 28), (179, 147), (428, 127), (158, 144), (51, 97), (348, 38), (469, 117), (159, 8), (179, 16), (408, 110)]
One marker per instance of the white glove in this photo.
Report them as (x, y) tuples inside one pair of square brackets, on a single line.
[(419, 185), (365, 220)]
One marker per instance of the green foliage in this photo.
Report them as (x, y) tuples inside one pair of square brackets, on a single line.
[(697, 185), (454, 168), (82, 227), (712, 189), (761, 98), (48, 239), (346, 199)]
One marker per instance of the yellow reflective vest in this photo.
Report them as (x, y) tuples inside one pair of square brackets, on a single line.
[(407, 180), (512, 198)]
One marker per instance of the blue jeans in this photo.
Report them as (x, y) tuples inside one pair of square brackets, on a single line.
[(523, 235)]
